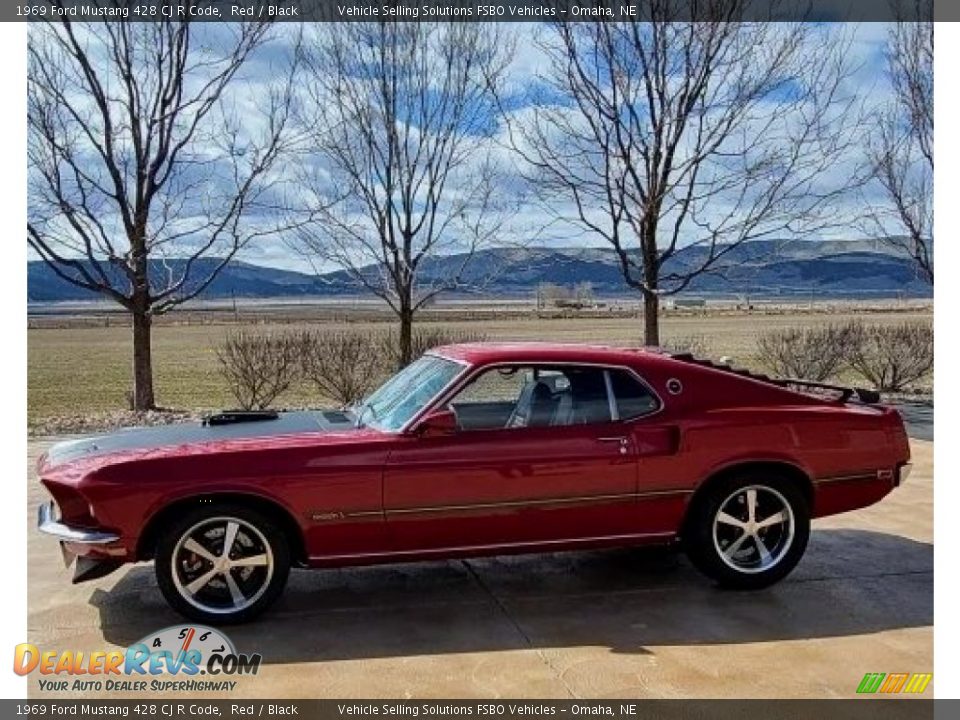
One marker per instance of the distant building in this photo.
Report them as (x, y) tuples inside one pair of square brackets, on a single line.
[(685, 303)]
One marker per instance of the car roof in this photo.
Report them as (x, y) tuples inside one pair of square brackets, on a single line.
[(486, 353)]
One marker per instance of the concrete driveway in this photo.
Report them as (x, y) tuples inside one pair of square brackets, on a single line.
[(623, 623)]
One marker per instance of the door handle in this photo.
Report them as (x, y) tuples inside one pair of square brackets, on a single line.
[(621, 440)]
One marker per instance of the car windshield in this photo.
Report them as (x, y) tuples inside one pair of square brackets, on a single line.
[(406, 393)]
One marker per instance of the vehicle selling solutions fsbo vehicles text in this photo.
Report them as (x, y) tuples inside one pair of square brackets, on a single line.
[(480, 11)]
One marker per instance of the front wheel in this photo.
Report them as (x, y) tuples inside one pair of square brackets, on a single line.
[(223, 564), (749, 531)]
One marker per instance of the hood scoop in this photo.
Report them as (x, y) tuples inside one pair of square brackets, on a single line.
[(337, 417), (234, 417)]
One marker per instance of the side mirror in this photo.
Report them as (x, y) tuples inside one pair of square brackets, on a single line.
[(438, 423)]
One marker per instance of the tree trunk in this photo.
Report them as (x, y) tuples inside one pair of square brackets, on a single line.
[(651, 278), (406, 337), (142, 362), (651, 318)]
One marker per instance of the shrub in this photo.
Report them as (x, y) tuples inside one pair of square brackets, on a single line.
[(890, 357), (258, 367), (424, 339), (815, 353), (342, 365), (695, 345)]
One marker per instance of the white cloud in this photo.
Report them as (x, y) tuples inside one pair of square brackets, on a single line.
[(534, 222)]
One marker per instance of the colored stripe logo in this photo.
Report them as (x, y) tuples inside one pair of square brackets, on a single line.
[(894, 683)]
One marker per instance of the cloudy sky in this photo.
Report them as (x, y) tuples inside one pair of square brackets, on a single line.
[(538, 224), (533, 223)]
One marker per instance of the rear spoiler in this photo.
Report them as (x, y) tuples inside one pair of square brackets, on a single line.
[(842, 392)]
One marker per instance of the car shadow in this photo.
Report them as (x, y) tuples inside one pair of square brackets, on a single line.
[(851, 582)]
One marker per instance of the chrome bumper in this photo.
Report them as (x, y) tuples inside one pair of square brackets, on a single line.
[(46, 524), (903, 472)]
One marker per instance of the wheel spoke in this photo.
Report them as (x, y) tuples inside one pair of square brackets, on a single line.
[(195, 547), (228, 537), (754, 509), (194, 587), (235, 594), (752, 504), (775, 519), (250, 561), (213, 549), (729, 519), (731, 549), (762, 549)]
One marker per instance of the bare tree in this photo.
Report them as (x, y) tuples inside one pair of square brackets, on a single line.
[(676, 142), (399, 164), (425, 337), (146, 176), (901, 149)]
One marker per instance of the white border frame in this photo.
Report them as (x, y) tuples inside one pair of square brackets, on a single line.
[(13, 285)]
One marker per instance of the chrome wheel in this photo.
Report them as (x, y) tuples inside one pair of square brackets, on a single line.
[(753, 529), (222, 565)]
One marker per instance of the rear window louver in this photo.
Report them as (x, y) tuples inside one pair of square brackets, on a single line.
[(838, 393)]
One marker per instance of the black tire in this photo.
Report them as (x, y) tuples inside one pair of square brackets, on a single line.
[(746, 568), (257, 538)]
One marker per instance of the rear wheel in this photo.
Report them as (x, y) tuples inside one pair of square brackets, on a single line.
[(222, 564), (750, 530)]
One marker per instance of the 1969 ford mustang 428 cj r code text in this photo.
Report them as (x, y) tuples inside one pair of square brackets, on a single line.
[(478, 449)]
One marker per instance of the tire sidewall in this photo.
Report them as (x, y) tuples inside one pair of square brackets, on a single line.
[(166, 544), (700, 544)]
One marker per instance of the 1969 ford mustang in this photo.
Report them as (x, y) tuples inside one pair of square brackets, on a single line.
[(478, 449)]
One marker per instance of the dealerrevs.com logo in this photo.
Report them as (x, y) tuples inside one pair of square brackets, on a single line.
[(914, 683), (180, 651)]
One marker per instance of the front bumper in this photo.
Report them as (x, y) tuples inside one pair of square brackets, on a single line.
[(80, 544), (903, 472), (65, 533)]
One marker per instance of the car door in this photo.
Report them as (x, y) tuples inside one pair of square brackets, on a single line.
[(556, 468), (662, 487)]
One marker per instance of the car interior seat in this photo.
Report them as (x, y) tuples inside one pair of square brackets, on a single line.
[(590, 402), (535, 406)]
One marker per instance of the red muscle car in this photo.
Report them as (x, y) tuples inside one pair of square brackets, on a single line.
[(479, 449)]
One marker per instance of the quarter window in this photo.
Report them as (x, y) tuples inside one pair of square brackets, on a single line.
[(632, 397)]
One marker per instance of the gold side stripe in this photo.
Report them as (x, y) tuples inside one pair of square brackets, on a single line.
[(585, 499), (848, 478)]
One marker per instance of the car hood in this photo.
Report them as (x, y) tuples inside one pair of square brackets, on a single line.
[(196, 433)]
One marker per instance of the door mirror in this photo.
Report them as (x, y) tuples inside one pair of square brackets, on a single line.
[(437, 423)]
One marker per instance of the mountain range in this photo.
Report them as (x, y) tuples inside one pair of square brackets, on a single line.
[(827, 268)]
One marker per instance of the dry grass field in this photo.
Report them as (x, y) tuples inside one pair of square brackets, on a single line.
[(80, 366)]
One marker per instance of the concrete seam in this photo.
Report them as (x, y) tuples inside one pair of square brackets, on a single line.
[(516, 626)]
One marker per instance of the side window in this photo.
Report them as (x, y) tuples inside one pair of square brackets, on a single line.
[(488, 402), (589, 402), (633, 399), (533, 396), (497, 385)]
